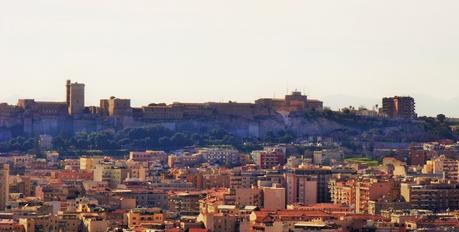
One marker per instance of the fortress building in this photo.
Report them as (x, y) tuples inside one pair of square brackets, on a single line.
[(31, 117), (115, 107), (296, 101), (75, 97)]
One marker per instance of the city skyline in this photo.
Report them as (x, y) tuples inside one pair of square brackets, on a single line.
[(154, 51), (335, 102), (229, 116)]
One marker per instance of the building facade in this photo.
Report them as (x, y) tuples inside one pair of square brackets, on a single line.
[(399, 107), (4, 186), (432, 196), (308, 186), (75, 97)]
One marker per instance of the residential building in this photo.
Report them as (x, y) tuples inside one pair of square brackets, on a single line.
[(308, 185), (443, 166), (372, 189), (145, 216), (399, 107), (219, 222), (145, 198), (4, 186), (274, 198), (221, 156), (431, 196), (10, 225), (177, 161), (269, 158), (148, 156), (89, 162), (185, 202), (244, 179), (112, 173), (249, 197), (342, 192)]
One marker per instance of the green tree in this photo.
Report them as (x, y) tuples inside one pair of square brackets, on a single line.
[(441, 118)]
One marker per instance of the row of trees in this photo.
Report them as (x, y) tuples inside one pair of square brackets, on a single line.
[(143, 138), (439, 126), (352, 120), (161, 138), (18, 144), (147, 138)]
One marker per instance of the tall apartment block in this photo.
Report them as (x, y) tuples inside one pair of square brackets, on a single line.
[(399, 107), (308, 186), (75, 97), (433, 196), (373, 189), (4, 186)]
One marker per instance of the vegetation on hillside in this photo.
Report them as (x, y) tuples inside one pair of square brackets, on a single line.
[(379, 129), (145, 138), (355, 131)]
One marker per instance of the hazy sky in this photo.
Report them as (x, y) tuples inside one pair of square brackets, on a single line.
[(342, 51)]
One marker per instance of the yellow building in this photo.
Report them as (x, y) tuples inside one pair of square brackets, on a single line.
[(9, 225), (40, 223), (137, 170), (95, 224), (61, 222), (443, 165), (69, 221), (89, 163), (219, 222), (111, 173), (140, 217)]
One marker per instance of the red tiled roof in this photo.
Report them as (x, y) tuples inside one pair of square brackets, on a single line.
[(173, 230), (266, 216), (198, 230), (438, 222)]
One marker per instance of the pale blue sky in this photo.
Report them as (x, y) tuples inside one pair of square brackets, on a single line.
[(215, 50)]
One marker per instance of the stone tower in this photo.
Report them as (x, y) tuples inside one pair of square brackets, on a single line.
[(4, 185), (75, 97)]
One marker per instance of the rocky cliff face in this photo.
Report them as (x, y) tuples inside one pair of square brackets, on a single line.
[(330, 124), (336, 125)]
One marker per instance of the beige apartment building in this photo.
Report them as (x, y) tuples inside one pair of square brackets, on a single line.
[(434, 196), (274, 198), (4, 186)]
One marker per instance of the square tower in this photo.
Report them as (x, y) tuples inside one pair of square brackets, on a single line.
[(75, 97)]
